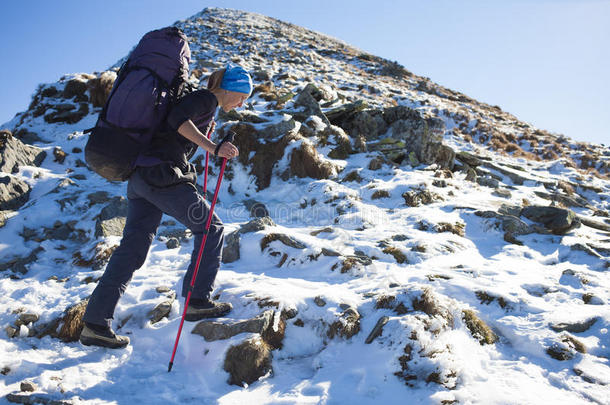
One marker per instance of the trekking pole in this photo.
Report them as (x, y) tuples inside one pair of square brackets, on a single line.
[(228, 138), (205, 176)]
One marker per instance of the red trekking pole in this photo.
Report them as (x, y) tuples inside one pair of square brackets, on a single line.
[(205, 175), (228, 138)]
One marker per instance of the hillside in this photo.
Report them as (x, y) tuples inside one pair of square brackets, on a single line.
[(388, 240)]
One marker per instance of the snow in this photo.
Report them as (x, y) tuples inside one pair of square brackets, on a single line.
[(311, 368)]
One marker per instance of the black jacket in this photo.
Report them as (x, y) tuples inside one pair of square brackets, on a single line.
[(166, 160)]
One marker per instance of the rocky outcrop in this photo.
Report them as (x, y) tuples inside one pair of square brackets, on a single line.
[(557, 220), (14, 153), (14, 192)]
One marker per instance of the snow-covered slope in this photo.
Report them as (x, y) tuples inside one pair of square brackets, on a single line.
[(373, 222)]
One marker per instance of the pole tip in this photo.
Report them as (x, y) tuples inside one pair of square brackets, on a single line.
[(171, 364)]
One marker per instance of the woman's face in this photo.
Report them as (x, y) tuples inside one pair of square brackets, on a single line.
[(233, 99)]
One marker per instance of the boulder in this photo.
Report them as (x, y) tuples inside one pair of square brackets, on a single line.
[(14, 192), (14, 153), (230, 252), (309, 103), (162, 309), (248, 361), (257, 224), (555, 219), (213, 330), (111, 220)]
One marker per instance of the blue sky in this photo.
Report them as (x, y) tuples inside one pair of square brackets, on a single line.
[(545, 61)]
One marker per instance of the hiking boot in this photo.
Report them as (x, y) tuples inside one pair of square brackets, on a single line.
[(199, 309), (94, 335)]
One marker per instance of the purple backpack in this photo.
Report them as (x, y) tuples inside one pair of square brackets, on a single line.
[(147, 85)]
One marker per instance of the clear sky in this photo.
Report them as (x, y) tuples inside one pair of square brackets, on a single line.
[(545, 61)]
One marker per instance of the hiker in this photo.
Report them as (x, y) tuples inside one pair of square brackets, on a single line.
[(164, 182)]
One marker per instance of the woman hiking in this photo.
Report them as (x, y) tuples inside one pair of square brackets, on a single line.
[(164, 182)]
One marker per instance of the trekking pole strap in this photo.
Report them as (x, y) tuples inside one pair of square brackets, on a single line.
[(230, 137)]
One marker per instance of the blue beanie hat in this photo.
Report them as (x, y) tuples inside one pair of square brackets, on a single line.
[(236, 78)]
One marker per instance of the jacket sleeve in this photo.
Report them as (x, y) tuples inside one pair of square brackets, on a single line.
[(195, 104)]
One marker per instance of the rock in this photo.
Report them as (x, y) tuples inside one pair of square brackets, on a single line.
[(376, 163), (11, 332), (76, 87), (488, 181), (27, 386), (26, 318), (67, 113), (260, 155), (557, 220), (414, 198), (285, 239), (345, 112), (100, 87), (20, 264), (213, 330), (14, 153), (516, 178), (59, 155), (230, 252), (319, 301), (594, 224), (14, 192), (468, 159), (248, 361), (330, 252), (346, 326), (163, 289), (574, 327), (343, 145), (111, 220), (569, 201), (377, 330), (172, 243), (257, 224), (471, 175), (501, 192), (31, 399), (591, 299), (256, 209), (478, 328), (162, 309), (380, 194), (309, 103)]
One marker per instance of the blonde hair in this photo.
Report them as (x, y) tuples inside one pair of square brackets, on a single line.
[(215, 79)]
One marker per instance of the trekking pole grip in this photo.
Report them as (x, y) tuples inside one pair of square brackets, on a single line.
[(230, 137)]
